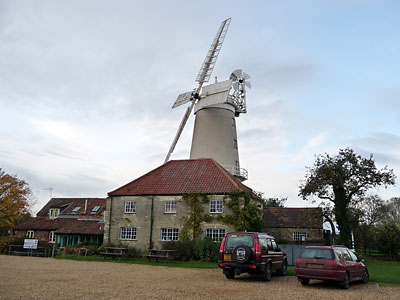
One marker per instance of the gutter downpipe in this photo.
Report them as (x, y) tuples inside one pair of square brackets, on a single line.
[(151, 223), (109, 223)]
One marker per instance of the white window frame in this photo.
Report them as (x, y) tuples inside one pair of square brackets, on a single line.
[(75, 210), (216, 206), (235, 144), (169, 234), (30, 234), (216, 235), (52, 237), (54, 213), (127, 233), (95, 209), (130, 207), (299, 235), (170, 207)]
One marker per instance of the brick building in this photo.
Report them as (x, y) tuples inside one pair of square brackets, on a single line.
[(294, 225), (67, 221)]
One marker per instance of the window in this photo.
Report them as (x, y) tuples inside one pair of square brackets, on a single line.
[(30, 234), (170, 207), (52, 237), (263, 243), (353, 256), (215, 234), (95, 209), (54, 213), (216, 206), (127, 233), (274, 245), (237, 239), (316, 253), (169, 234), (299, 236), (130, 207), (339, 255), (347, 255), (233, 122), (75, 210), (235, 144)]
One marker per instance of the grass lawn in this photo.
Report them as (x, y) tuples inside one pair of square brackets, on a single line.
[(383, 271), (380, 271)]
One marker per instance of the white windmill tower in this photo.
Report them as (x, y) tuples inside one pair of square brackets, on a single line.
[(216, 107)]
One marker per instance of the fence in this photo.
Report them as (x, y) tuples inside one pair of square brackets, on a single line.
[(292, 252), (20, 250)]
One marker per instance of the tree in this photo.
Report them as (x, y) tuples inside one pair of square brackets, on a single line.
[(342, 179), (275, 202), (15, 198), (389, 239), (392, 210)]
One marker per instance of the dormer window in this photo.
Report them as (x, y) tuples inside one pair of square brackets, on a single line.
[(75, 210), (54, 213), (95, 209)]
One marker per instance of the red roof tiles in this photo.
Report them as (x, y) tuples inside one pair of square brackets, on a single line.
[(184, 177), (292, 217)]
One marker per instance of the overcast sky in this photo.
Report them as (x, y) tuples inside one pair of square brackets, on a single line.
[(86, 87)]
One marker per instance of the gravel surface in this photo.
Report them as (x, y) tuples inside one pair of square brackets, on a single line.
[(48, 278)]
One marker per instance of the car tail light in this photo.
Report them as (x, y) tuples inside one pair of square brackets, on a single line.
[(258, 247), (221, 250)]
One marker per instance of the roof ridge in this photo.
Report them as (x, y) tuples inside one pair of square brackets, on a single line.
[(152, 171), (225, 172)]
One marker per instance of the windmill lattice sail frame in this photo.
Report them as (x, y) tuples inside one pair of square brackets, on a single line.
[(202, 77)]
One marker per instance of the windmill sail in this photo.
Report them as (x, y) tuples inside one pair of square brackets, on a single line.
[(203, 76)]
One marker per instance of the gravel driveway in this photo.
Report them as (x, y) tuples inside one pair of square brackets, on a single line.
[(48, 278)]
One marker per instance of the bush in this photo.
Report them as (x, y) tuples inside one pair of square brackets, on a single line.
[(206, 250), (6, 241), (183, 249), (133, 252)]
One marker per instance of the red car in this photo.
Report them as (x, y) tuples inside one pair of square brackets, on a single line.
[(334, 263)]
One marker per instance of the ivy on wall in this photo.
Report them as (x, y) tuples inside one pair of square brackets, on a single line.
[(246, 215), (191, 223)]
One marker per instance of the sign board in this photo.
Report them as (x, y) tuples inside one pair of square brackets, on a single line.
[(30, 244)]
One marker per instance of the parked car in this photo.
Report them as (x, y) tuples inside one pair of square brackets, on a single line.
[(335, 263), (251, 252)]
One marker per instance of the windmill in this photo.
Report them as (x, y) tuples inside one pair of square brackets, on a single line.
[(216, 106)]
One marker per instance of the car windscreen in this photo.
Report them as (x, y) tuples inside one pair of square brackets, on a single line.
[(318, 254), (236, 240)]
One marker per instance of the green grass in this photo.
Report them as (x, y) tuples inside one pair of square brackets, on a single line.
[(383, 271)]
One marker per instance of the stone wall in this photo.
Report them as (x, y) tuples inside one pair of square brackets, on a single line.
[(146, 207)]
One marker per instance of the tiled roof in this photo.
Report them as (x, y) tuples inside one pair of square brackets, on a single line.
[(64, 225), (292, 217), (178, 177), (66, 206)]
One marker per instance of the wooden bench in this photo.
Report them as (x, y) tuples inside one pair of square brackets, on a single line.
[(160, 254), (114, 252)]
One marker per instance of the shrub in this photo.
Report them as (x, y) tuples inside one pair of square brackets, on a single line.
[(389, 240), (134, 252), (183, 249), (206, 250)]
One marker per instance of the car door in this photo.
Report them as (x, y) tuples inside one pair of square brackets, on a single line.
[(276, 255), (351, 266), (359, 273)]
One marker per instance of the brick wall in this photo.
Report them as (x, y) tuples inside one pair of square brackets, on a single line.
[(286, 234)]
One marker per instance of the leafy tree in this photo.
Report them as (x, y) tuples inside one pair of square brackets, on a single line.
[(342, 179), (275, 202), (246, 214), (388, 239), (15, 199), (392, 210)]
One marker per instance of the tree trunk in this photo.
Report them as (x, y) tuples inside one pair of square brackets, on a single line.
[(342, 219)]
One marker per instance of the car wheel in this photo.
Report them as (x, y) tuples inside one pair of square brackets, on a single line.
[(304, 281), (282, 271), (366, 276), (267, 272), (230, 274), (346, 282), (241, 254)]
